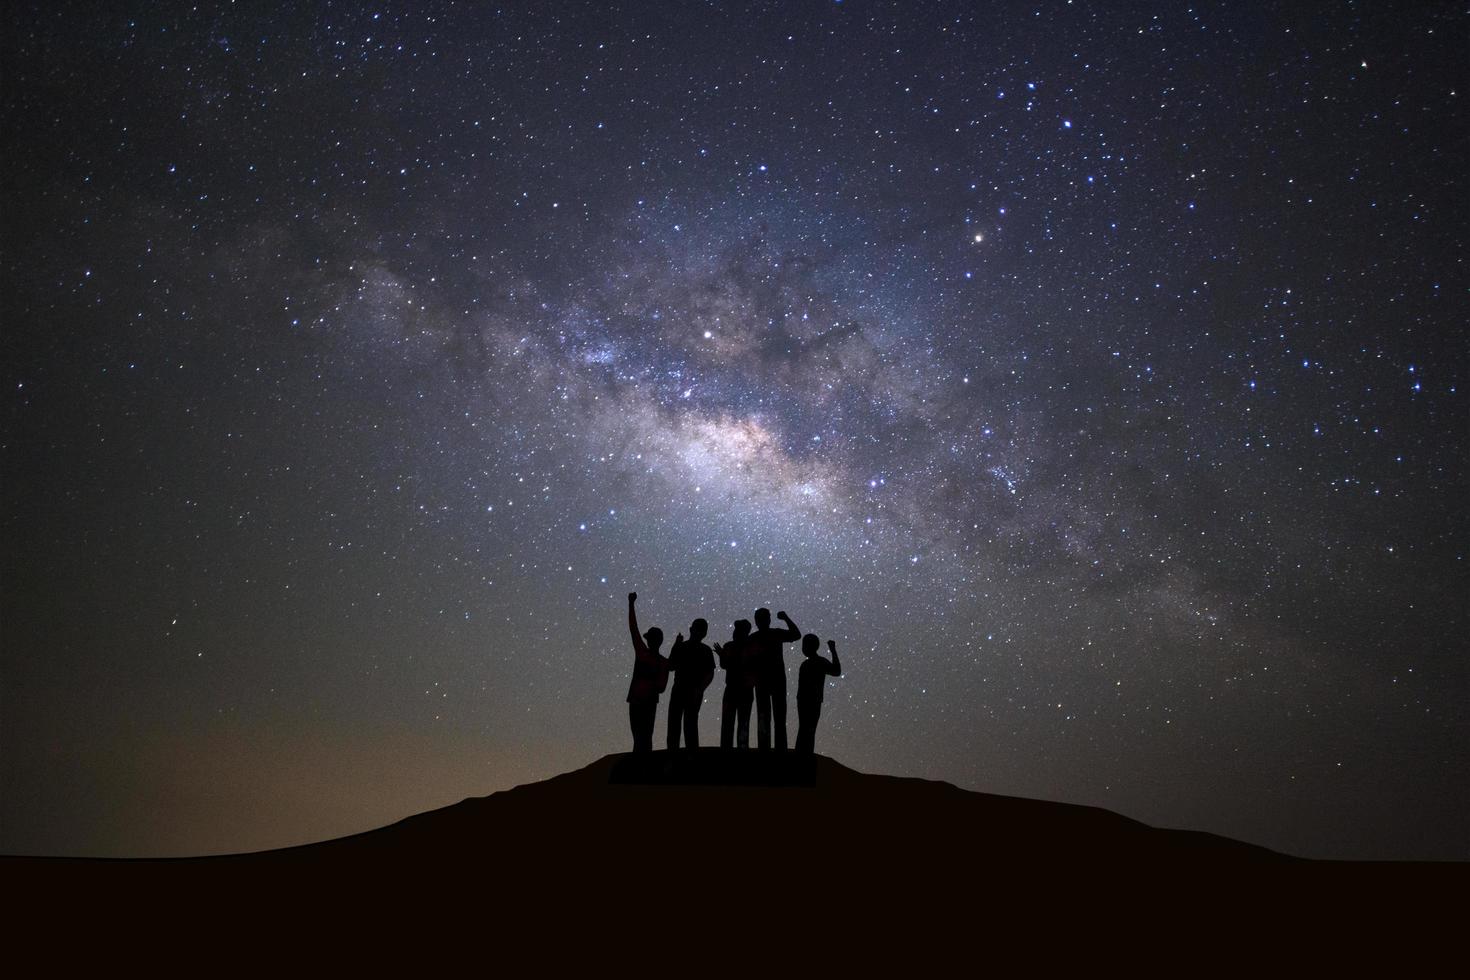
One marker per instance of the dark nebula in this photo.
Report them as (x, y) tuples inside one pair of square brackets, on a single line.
[(1091, 373)]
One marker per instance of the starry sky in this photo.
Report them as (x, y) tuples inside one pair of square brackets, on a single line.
[(1092, 373)]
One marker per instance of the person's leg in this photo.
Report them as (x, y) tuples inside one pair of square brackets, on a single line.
[(676, 708), (763, 717), (778, 709), (641, 715), (809, 714), (729, 707), (742, 724), (691, 721)]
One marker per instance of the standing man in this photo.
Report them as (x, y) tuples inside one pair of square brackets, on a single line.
[(650, 676), (770, 683), (811, 681), (739, 688), (693, 664)]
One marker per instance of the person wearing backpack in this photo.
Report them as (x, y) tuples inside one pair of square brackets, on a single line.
[(693, 665), (650, 677), (739, 688)]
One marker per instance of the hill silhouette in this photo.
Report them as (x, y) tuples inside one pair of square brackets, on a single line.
[(767, 803), (711, 840)]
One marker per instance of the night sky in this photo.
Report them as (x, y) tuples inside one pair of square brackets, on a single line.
[(1094, 375)]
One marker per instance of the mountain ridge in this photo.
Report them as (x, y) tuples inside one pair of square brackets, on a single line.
[(708, 782), (662, 849)]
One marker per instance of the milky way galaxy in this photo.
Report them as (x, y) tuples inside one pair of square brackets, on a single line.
[(1092, 374)]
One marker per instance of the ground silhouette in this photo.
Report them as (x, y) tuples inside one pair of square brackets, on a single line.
[(768, 839)]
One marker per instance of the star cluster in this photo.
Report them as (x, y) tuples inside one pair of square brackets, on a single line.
[(1092, 374)]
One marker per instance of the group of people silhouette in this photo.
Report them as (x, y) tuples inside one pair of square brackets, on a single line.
[(755, 671)]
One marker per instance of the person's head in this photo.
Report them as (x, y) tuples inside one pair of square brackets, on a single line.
[(762, 618), (654, 638), (697, 630), (742, 628), (810, 644)]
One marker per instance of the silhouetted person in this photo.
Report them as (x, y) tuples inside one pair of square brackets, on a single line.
[(739, 687), (650, 676), (811, 682), (693, 664), (770, 675)]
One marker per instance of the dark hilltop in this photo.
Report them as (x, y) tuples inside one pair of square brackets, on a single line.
[(766, 851)]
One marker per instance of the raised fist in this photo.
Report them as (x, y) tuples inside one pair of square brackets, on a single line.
[(783, 617), (832, 645), (632, 597), (678, 637)]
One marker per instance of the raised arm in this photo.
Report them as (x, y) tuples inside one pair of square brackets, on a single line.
[(639, 647), (835, 667), (792, 633)]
